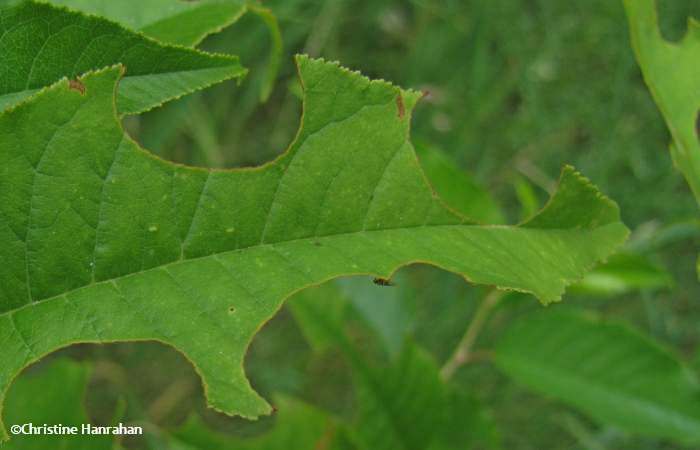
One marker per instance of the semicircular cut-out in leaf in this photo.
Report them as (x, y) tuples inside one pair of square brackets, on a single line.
[(456, 188), (173, 21), (101, 241), (671, 72), (40, 44), (609, 371)]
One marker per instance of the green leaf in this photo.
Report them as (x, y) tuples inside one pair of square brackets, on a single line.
[(623, 272), (172, 21), (187, 23), (46, 43), (527, 197), (670, 71), (276, 49), (52, 395), (297, 426), (607, 370), (456, 188), (403, 406), (467, 425), (101, 241)]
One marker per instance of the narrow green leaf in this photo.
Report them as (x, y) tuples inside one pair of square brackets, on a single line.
[(46, 43), (52, 395), (612, 373), (671, 72), (101, 241), (276, 49), (456, 188), (527, 197)]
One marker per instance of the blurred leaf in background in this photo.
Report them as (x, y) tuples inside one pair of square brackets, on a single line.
[(611, 372), (297, 426), (52, 395)]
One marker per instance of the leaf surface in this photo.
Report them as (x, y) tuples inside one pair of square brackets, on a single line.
[(173, 21), (44, 43), (671, 72), (607, 370), (101, 241), (187, 23)]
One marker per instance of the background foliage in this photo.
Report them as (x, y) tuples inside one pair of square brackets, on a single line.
[(516, 89)]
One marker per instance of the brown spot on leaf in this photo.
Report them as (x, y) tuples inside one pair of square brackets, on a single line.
[(231, 309), (400, 106), (77, 85), (382, 282)]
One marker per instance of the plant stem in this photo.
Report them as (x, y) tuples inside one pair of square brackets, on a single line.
[(463, 352)]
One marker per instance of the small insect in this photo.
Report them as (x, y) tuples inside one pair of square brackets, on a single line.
[(400, 106), (76, 85), (382, 282)]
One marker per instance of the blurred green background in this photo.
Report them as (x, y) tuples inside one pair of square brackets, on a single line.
[(516, 89)]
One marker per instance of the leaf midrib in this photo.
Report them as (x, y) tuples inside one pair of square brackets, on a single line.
[(278, 243)]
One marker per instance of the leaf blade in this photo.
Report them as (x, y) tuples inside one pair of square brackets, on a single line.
[(174, 22), (47, 43), (124, 246), (677, 91), (612, 373)]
